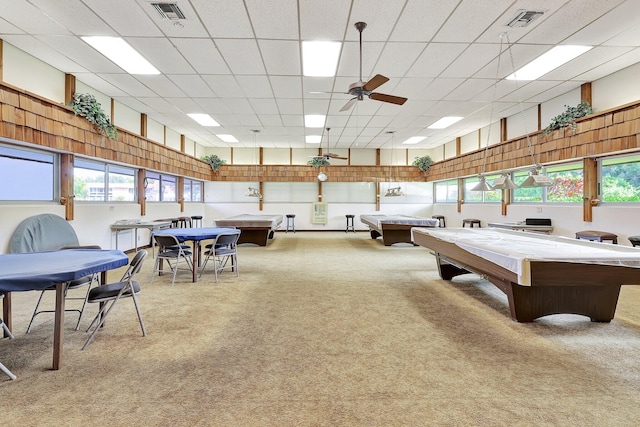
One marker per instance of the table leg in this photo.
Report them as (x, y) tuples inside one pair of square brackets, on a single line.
[(195, 261), (135, 242), (6, 311), (58, 332)]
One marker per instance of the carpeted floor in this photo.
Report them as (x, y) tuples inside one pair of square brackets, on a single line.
[(325, 329)]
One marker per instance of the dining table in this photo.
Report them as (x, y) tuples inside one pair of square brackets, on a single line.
[(34, 271), (196, 235)]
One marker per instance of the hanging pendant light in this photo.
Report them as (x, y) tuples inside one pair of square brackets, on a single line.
[(504, 182), (393, 191), (482, 185), (254, 192), (535, 179)]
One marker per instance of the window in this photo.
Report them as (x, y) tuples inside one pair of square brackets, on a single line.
[(160, 188), (100, 182), (192, 190), (529, 194), (446, 191), (481, 196), (568, 183), (27, 174), (620, 179)]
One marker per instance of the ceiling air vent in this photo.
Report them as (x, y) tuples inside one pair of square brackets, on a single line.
[(524, 17), (169, 11)]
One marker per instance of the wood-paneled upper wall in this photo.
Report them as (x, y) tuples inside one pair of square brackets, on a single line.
[(29, 118)]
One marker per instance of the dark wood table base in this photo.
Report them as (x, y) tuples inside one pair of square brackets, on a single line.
[(591, 290), (256, 235)]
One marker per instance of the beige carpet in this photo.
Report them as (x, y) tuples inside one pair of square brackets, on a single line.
[(326, 329)]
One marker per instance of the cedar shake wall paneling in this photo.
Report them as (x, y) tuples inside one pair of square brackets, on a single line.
[(29, 118), (600, 134)]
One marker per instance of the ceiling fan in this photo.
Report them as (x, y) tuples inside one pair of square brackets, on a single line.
[(359, 89), (327, 154)]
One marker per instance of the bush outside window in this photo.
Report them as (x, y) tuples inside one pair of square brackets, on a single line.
[(620, 179)]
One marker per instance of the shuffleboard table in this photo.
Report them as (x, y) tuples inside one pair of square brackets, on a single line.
[(257, 229), (540, 274)]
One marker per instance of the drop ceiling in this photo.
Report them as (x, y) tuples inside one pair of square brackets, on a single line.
[(240, 61)]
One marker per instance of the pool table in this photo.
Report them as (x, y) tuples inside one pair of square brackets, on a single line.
[(540, 274), (395, 228), (256, 229)]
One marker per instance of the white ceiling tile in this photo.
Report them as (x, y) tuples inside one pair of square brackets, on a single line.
[(263, 14), (270, 120), (224, 18), (192, 85), (30, 19), (349, 63), (136, 22), (286, 87), (397, 58), (324, 20), (129, 84), (435, 58), (421, 20), (242, 56), (281, 57), (99, 84), (255, 86), (264, 106), (161, 85), (162, 54), (290, 106), (224, 86), (202, 55), (75, 16), (457, 29)]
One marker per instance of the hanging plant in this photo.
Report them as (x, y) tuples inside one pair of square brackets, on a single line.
[(316, 162), (568, 118), (423, 163), (214, 161), (86, 105)]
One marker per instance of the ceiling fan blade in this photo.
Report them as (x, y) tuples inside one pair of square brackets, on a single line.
[(377, 80), (388, 98), (349, 104)]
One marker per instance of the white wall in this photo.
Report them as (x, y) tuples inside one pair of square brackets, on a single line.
[(27, 72)]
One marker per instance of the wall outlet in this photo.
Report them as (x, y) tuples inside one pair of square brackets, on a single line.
[(538, 209)]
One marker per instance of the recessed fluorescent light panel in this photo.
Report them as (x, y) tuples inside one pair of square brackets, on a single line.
[(445, 122), (313, 139), (120, 52), (548, 61), (320, 58), (227, 138), (414, 140), (314, 120), (204, 119)]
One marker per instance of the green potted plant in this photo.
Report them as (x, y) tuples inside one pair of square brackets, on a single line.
[(85, 105), (318, 161), (214, 161), (423, 163), (568, 118)]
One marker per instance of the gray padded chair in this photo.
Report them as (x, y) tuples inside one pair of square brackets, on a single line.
[(49, 232), (108, 295), (171, 251), (224, 251)]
